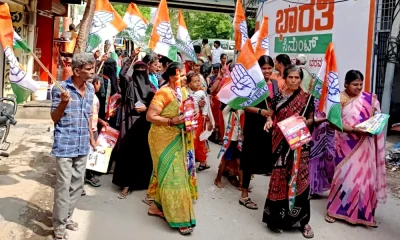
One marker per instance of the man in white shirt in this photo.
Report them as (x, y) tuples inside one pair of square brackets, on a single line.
[(216, 54)]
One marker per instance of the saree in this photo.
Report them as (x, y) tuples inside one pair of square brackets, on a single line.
[(322, 156), (277, 214), (175, 186), (360, 175)]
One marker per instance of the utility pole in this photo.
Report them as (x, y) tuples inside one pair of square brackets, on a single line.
[(392, 60)]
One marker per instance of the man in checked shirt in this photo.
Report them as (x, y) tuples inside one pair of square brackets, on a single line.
[(71, 113)]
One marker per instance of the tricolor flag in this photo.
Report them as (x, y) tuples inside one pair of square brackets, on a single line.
[(254, 39), (262, 45), (106, 24), (20, 44), (246, 86), (240, 26), (162, 39), (183, 41), (137, 25), (21, 84), (330, 93)]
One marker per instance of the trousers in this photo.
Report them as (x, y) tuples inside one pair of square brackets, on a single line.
[(70, 174)]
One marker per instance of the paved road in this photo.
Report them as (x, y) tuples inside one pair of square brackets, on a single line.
[(102, 216)]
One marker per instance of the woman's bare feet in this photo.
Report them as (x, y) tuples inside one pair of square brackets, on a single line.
[(218, 183)]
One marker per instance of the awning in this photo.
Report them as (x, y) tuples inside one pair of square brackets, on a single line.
[(50, 8)]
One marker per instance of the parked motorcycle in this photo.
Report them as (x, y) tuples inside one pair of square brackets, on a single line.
[(8, 109)]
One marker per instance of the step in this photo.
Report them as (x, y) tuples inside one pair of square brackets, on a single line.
[(34, 110)]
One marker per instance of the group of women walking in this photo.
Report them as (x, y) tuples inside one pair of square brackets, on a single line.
[(154, 144)]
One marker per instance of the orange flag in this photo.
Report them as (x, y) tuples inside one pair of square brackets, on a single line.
[(262, 45), (162, 39), (240, 26)]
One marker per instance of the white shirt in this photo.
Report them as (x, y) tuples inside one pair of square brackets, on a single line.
[(216, 55)]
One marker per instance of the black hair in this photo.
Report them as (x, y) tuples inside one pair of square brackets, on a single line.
[(217, 42), (266, 60), (205, 69), (197, 49), (189, 76), (205, 41), (171, 70), (292, 68), (72, 27), (118, 52), (284, 59), (223, 55), (217, 66), (353, 75), (95, 79), (165, 61)]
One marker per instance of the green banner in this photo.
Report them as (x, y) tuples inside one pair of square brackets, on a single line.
[(307, 44)]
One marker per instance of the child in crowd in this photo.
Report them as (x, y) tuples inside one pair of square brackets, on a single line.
[(205, 118), (231, 146), (90, 176)]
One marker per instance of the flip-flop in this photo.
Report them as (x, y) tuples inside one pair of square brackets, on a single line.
[(311, 235), (329, 219), (186, 232), (123, 196), (156, 215), (148, 201), (202, 167)]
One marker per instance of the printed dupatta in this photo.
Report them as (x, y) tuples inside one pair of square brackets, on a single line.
[(232, 120)]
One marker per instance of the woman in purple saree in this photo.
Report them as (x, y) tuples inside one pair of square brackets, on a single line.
[(360, 175)]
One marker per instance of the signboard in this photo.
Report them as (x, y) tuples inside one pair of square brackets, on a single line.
[(308, 26)]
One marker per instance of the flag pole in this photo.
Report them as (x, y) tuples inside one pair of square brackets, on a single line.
[(102, 61), (53, 79)]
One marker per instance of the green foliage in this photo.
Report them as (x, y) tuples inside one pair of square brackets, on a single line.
[(200, 24)]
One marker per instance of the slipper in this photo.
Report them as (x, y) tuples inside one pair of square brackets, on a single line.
[(203, 167), (123, 196), (185, 232), (148, 201), (159, 215), (329, 219), (248, 203)]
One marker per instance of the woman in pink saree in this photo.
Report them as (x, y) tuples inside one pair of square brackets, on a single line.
[(360, 175)]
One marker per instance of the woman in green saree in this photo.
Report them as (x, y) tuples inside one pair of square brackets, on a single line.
[(173, 167)]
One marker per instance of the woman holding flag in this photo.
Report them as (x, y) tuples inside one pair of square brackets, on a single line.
[(279, 212), (170, 147), (360, 175)]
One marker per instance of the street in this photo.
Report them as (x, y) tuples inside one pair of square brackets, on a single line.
[(26, 193)]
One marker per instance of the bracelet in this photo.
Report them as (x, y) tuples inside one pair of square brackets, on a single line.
[(259, 111), (169, 122)]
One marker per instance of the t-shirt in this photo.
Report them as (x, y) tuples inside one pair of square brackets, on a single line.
[(197, 96), (95, 112)]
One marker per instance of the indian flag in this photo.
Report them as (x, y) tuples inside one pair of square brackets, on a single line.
[(21, 84), (20, 44), (330, 91), (162, 39), (183, 41), (240, 26), (106, 24), (262, 44), (246, 86), (137, 25)]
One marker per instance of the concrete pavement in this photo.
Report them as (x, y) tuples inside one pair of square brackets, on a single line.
[(26, 193)]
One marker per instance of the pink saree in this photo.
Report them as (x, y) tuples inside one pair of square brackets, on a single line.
[(360, 175)]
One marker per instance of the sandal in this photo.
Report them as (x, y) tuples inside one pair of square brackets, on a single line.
[(248, 203), (185, 231), (307, 231), (203, 167), (60, 233), (123, 195), (93, 181), (276, 230), (71, 225), (159, 214), (329, 219), (233, 181), (148, 200)]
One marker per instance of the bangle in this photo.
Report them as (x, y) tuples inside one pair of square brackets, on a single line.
[(259, 111), (169, 122)]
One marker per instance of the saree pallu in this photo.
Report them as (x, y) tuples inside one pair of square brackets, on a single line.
[(175, 188), (360, 175), (322, 156), (277, 214), (200, 146)]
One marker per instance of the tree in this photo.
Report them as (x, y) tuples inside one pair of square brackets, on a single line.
[(85, 25)]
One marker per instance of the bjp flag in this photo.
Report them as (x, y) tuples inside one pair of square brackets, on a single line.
[(162, 39), (262, 45), (21, 83), (106, 24), (246, 86), (240, 26)]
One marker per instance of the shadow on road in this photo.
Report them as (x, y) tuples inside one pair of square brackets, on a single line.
[(27, 215)]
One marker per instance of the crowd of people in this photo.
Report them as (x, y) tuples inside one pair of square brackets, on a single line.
[(155, 153)]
